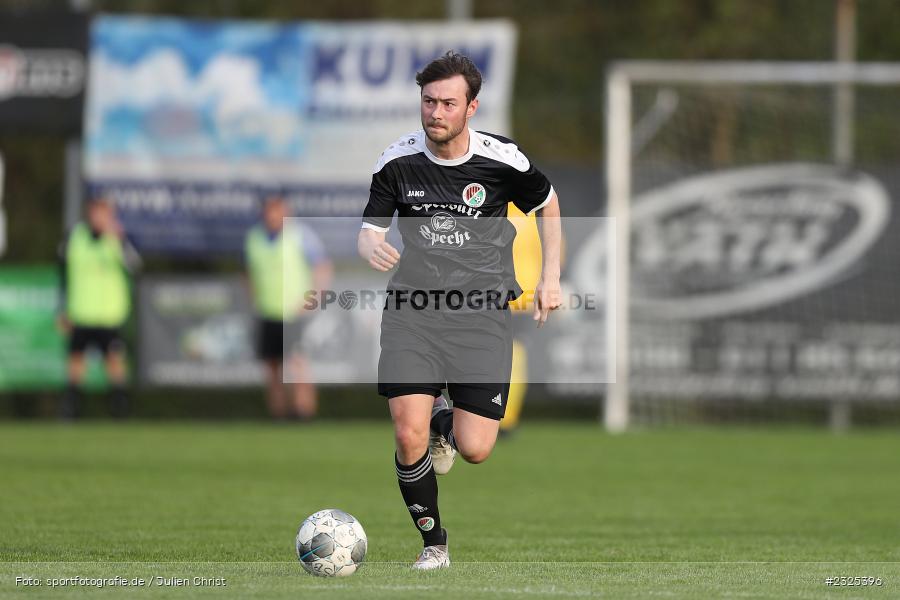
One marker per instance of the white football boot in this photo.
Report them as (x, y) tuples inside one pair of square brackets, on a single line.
[(442, 453), (433, 557)]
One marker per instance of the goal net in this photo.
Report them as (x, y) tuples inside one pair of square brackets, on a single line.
[(757, 242)]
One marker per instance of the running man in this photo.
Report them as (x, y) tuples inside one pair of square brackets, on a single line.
[(450, 186)]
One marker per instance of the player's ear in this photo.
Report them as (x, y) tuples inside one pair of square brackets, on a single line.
[(473, 106)]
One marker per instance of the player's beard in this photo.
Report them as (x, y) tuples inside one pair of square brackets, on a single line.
[(447, 135)]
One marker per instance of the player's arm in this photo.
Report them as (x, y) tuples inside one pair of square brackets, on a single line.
[(375, 250), (547, 293), (371, 243), (533, 194)]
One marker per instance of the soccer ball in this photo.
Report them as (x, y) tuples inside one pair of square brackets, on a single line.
[(331, 543)]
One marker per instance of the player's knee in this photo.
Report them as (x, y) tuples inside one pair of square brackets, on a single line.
[(411, 441), (475, 454)]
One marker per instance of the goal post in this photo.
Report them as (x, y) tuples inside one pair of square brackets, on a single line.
[(669, 170)]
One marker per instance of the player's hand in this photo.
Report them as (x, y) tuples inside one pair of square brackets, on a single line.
[(547, 297), (376, 251)]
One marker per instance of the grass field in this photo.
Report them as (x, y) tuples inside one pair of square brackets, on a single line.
[(558, 511)]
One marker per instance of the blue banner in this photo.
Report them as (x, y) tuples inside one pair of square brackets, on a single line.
[(190, 123)]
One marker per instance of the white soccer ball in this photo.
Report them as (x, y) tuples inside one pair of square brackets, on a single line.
[(331, 543)]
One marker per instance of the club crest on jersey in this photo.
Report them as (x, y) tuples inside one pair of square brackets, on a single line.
[(474, 195)]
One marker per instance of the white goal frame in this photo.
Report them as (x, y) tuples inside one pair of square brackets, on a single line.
[(618, 146)]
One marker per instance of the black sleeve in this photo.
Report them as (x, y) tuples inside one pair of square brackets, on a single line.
[(382, 198), (531, 189)]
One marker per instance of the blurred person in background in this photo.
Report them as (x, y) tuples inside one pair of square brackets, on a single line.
[(284, 261), (96, 261)]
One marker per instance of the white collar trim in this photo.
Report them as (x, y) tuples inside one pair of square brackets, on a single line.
[(452, 162)]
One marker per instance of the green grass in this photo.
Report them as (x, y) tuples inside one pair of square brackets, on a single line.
[(558, 511)]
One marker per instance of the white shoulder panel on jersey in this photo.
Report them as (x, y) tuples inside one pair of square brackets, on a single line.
[(505, 152), (411, 143)]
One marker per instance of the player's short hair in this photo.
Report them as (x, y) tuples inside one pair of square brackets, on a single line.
[(450, 64)]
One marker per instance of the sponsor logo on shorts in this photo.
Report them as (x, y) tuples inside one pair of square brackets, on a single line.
[(474, 195), (497, 400), (425, 523)]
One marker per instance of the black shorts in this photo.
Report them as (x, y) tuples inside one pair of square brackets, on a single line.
[(272, 341), (105, 339), (469, 353)]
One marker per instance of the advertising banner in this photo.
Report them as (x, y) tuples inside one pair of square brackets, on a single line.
[(42, 72), (197, 331), (201, 332), (767, 282), (32, 348), (190, 123)]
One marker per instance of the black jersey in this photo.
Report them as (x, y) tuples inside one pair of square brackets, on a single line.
[(452, 213)]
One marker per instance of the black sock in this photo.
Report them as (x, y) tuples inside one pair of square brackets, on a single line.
[(442, 423), (70, 407), (418, 485)]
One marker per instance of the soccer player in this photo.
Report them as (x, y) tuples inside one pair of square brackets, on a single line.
[(450, 186), (95, 261), (283, 263)]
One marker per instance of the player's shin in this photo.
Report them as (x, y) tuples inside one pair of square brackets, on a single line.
[(418, 485)]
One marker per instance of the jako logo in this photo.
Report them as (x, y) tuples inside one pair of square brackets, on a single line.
[(744, 239), (415, 194)]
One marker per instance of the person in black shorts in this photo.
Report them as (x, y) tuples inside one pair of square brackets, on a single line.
[(446, 323), (96, 260), (284, 259)]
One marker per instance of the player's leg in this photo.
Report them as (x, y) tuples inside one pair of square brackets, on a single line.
[(443, 453), (479, 402), (411, 413), (113, 348), (270, 350), (75, 368), (304, 398), (304, 401), (472, 426), (408, 358), (474, 435), (275, 398)]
